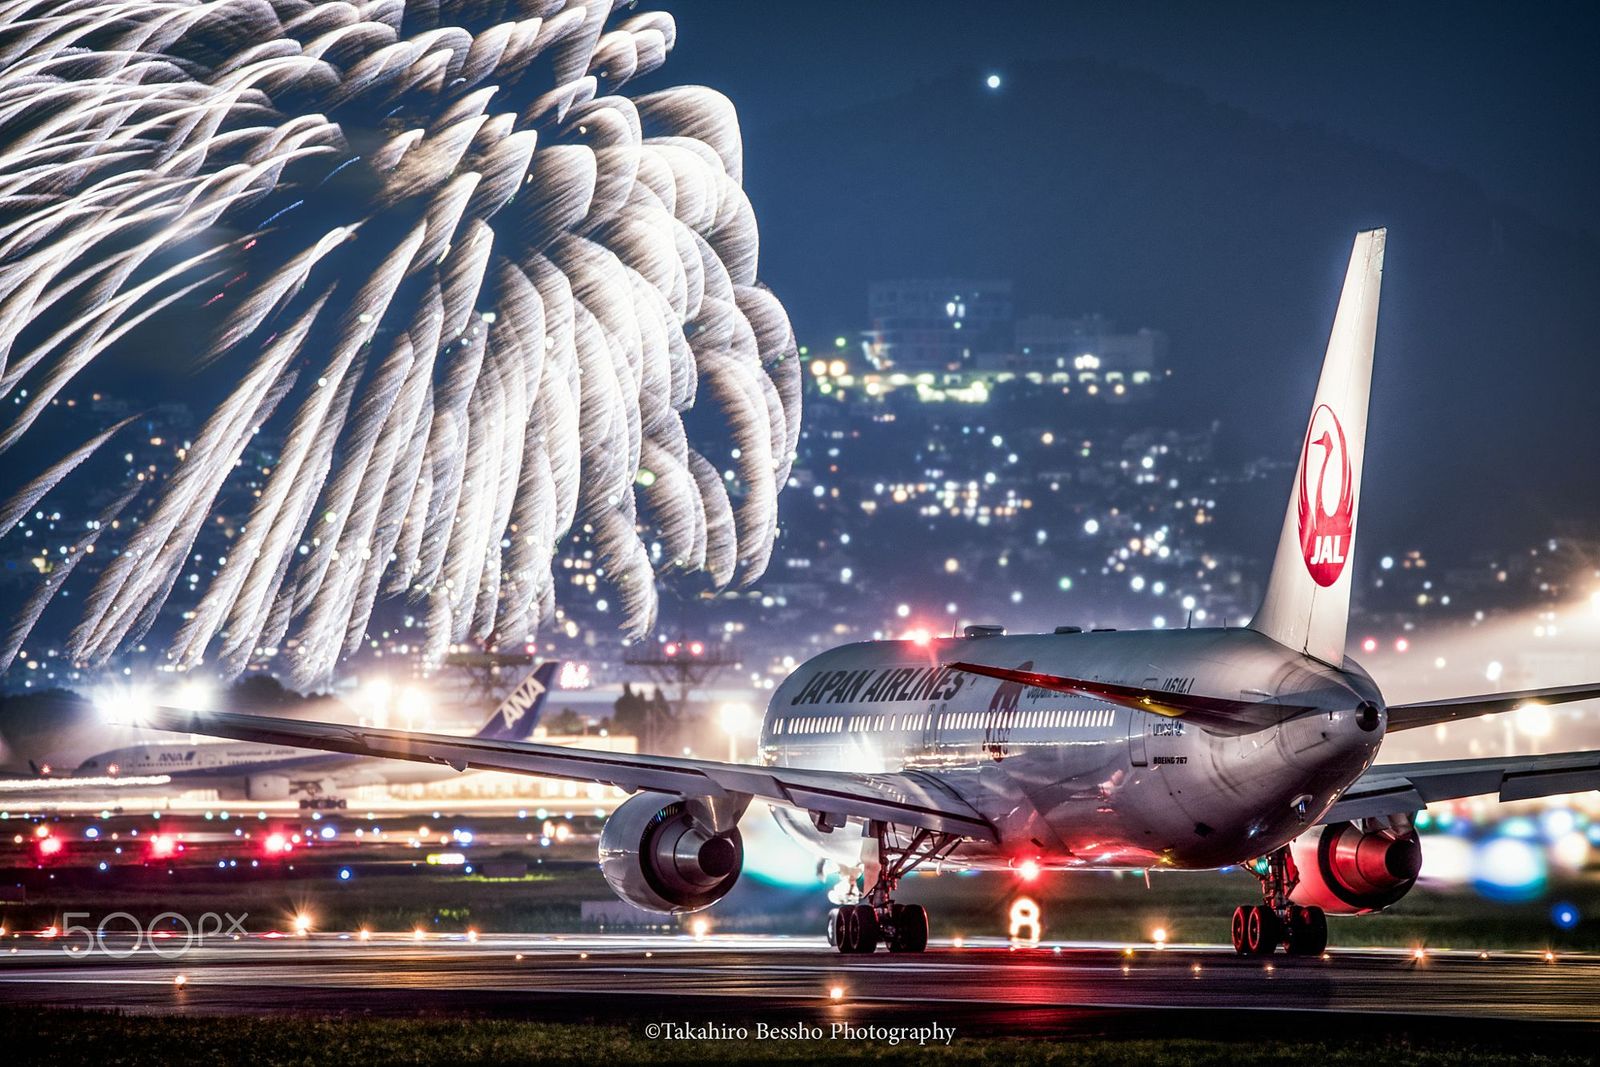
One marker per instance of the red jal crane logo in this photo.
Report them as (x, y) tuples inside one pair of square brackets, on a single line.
[(1325, 535)]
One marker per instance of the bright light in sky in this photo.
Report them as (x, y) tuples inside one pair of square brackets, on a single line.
[(992, 81), (123, 705), (194, 696)]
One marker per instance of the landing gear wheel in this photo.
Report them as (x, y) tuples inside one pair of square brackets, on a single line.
[(910, 923), (1262, 931), (858, 929), (1259, 930), (893, 854), (1308, 931), (1237, 930), (833, 928), (846, 937)]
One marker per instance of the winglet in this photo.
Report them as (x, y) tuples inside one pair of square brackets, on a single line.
[(1307, 602)]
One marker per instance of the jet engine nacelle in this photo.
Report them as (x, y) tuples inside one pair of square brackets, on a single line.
[(266, 787), (1354, 868), (653, 856)]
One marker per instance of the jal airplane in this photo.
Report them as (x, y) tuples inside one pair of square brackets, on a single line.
[(1165, 749), (275, 771)]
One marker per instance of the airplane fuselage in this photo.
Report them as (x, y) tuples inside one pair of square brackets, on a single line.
[(235, 770), (1074, 781)]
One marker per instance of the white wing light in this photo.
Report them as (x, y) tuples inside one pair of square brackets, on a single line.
[(470, 284)]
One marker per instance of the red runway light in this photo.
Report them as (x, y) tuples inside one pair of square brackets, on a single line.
[(49, 846)]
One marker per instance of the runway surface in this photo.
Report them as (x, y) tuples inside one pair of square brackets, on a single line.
[(983, 985)]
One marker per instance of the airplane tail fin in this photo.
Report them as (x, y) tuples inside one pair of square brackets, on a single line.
[(1307, 601), (519, 712)]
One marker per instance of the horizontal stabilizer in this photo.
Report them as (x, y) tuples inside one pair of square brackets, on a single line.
[(1215, 713), (1433, 712), (1402, 788)]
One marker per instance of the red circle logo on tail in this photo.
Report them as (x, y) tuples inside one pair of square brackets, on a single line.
[(1327, 498)]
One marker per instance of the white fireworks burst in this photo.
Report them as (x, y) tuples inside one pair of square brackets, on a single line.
[(470, 283)]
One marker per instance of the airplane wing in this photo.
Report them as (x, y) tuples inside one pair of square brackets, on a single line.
[(1215, 713), (1401, 788), (1433, 712), (908, 799)]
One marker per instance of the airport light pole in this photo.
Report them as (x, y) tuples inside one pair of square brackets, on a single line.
[(735, 722), (683, 665)]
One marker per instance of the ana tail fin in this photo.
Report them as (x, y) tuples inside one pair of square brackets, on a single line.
[(1307, 602), (522, 708)]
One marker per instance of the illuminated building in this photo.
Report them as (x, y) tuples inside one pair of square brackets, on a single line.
[(938, 324)]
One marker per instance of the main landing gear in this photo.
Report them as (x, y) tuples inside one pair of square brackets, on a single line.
[(1259, 929), (858, 927)]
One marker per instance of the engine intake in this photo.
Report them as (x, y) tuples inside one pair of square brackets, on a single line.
[(1351, 869), (653, 856)]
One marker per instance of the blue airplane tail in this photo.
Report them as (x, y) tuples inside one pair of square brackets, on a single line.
[(520, 711)]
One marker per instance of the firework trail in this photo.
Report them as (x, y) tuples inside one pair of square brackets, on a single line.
[(470, 284)]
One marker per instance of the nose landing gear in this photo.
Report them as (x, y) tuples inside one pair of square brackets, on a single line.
[(1258, 929), (858, 928)]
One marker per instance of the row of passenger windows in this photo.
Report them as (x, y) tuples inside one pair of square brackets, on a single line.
[(1084, 718)]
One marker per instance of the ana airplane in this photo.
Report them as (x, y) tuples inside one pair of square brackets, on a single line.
[(1167, 749), (279, 771)]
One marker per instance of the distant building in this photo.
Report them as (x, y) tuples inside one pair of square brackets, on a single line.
[(1087, 351), (963, 333), (937, 324), (1048, 344)]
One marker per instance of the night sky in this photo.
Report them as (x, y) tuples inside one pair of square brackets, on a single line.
[(1202, 171), (1503, 95), (1199, 170)]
